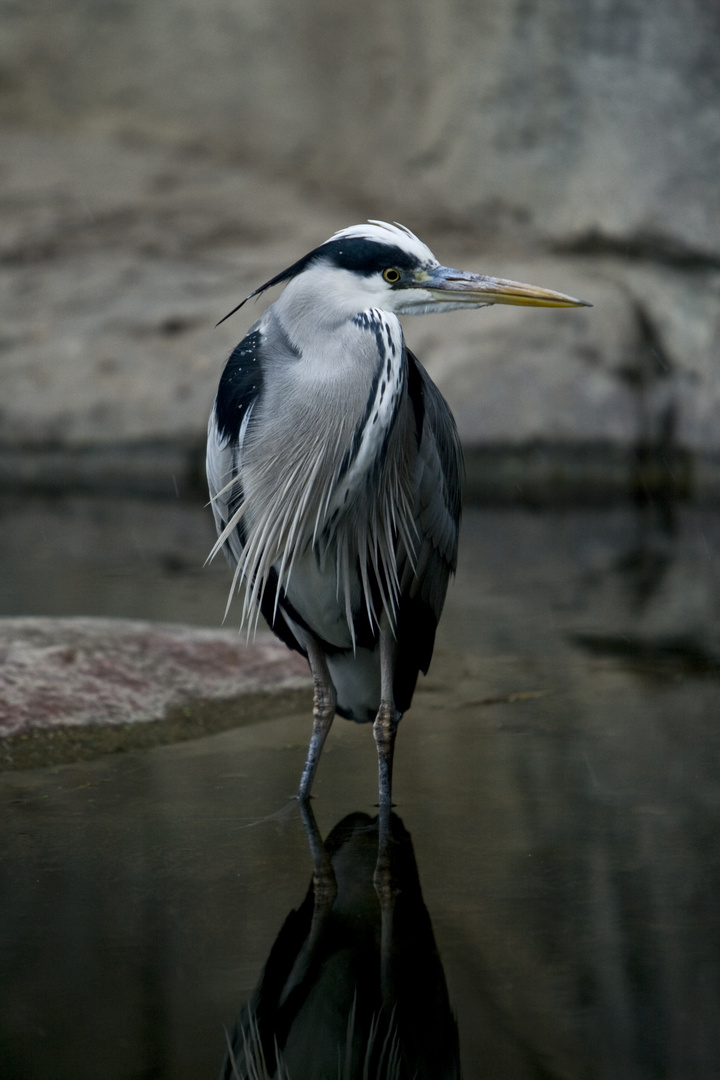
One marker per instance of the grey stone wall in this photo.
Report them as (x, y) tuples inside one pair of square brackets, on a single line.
[(568, 119), (160, 157)]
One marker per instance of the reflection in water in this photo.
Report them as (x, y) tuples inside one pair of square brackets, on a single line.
[(647, 561), (664, 613), (353, 986)]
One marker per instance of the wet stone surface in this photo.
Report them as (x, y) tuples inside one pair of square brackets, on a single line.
[(558, 802), (70, 687)]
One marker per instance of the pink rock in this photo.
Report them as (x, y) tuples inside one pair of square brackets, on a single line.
[(82, 671)]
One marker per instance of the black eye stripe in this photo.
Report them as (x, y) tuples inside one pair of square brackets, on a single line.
[(361, 256), (367, 257)]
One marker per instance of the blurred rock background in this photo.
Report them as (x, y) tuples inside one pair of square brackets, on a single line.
[(160, 158)]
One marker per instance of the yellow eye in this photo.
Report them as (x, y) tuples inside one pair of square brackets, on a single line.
[(391, 275)]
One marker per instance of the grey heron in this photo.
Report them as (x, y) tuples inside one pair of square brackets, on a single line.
[(334, 465)]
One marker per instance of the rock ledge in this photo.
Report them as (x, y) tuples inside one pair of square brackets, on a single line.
[(94, 683)]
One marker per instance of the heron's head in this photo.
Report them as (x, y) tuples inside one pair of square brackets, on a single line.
[(386, 266)]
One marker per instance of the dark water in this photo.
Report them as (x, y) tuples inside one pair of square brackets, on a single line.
[(553, 901)]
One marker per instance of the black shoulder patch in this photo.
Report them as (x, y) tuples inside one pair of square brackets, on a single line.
[(240, 386)]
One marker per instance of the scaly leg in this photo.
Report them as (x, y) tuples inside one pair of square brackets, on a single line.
[(323, 714), (388, 718)]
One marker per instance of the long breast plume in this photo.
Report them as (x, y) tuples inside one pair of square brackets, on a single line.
[(342, 486)]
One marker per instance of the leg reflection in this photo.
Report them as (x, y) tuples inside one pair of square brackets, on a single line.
[(354, 986), (388, 890)]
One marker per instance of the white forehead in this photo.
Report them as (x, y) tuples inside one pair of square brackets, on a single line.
[(385, 233)]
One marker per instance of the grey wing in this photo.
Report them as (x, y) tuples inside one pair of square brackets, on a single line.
[(437, 520), (238, 393)]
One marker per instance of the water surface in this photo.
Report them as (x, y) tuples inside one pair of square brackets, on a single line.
[(557, 778)]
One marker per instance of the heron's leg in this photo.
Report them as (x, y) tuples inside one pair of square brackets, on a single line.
[(323, 713), (388, 718)]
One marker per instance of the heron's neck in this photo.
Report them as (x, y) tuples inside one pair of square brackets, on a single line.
[(321, 304)]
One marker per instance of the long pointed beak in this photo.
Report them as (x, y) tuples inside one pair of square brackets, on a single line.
[(457, 287)]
